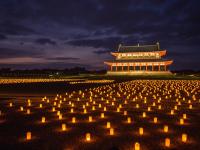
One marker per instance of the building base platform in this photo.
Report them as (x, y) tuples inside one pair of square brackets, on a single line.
[(139, 73)]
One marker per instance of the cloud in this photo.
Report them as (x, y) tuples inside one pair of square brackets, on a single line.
[(10, 28), (2, 37), (62, 58), (109, 42), (45, 41), (14, 52), (102, 52), (101, 25)]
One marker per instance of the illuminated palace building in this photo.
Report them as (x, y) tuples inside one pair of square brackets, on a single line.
[(139, 59)]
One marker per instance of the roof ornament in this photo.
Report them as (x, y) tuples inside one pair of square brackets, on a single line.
[(119, 47), (158, 44)]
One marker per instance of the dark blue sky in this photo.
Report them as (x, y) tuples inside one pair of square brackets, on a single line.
[(67, 33)]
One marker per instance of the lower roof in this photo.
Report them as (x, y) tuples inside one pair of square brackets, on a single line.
[(139, 60)]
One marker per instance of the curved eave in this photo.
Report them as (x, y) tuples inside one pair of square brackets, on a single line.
[(168, 62), (161, 53)]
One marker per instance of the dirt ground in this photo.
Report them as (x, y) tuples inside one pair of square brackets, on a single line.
[(134, 97)]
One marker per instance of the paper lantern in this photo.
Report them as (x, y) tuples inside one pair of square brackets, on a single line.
[(144, 114), (60, 117), (172, 112), (28, 111), (184, 116), (111, 131), (181, 121), (87, 137), (28, 136), (155, 119), (165, 128), (90, 118), (63, 127), (184, 137), (129, 119), (118, 109), (10, 104), (21, 108), (108, 125), (167, 142), (137, 146), (40, 106), (43, 120), (53, 109), (141, 131), (102, 115), (125, 112), (73, 120)]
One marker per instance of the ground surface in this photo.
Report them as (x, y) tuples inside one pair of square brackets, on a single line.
[(154, 97)]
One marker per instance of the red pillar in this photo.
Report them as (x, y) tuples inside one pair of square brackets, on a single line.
[(128, 67)]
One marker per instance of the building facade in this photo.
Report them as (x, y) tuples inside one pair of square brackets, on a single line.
[(139, 60)]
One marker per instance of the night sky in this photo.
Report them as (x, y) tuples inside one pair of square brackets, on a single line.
[(68, 33)]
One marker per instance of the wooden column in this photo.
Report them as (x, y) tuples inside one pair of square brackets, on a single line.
[(146, 67), (165, 68), (122, 68), (133, 67), (152, 68), (159, 67), (116, 68), (111, 68), (140, 67)]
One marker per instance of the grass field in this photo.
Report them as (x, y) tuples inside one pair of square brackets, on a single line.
[(128, 103)]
